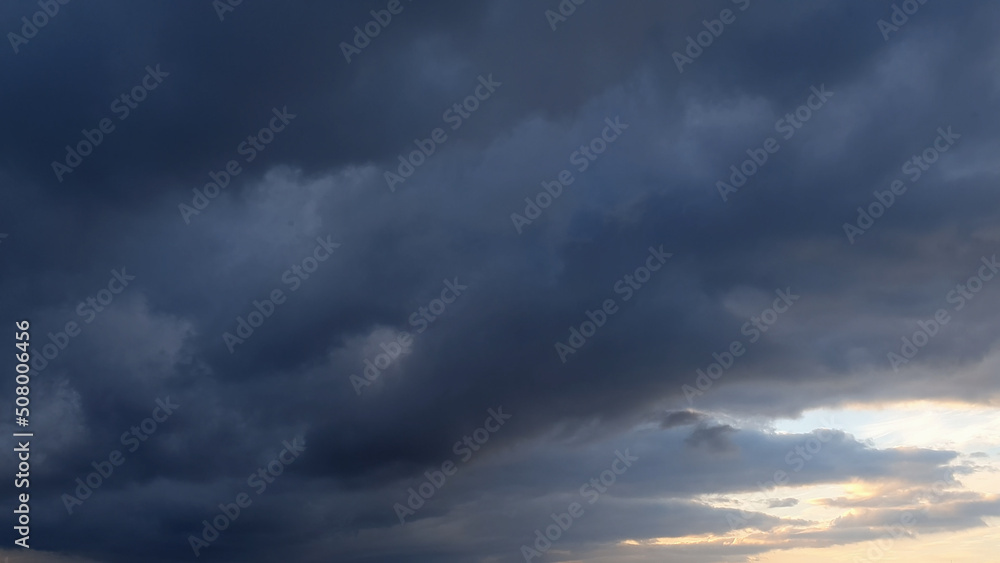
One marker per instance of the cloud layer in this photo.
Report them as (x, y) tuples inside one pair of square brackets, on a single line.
[(904, 115)]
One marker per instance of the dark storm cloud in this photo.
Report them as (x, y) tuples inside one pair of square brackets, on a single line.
[(712, 437), (680, 418), (494, 345)]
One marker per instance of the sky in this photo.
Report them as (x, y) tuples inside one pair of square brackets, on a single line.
[(499, 281)]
